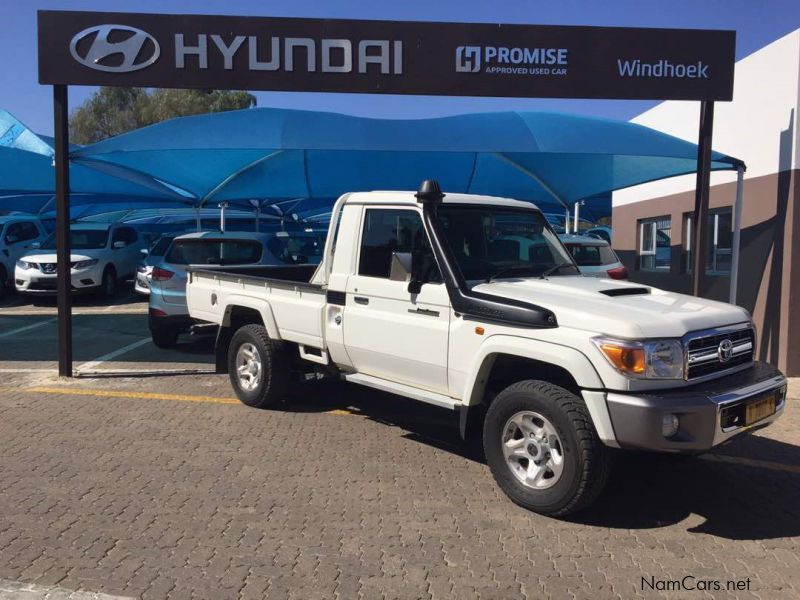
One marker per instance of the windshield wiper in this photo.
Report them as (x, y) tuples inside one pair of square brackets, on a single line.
[(555, 268), (507, 271)]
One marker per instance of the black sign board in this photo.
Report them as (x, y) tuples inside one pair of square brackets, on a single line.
[(392, 57)]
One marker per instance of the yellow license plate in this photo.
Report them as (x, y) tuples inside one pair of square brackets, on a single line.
[(760, 409)]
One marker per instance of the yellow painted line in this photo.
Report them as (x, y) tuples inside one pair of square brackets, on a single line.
[(135, 395), (150, 396)]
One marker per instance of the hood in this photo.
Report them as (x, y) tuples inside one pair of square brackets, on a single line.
[(618, 308), (52, 258)]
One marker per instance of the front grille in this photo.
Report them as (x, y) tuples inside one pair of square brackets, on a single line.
[(704, 355), (48, 267)]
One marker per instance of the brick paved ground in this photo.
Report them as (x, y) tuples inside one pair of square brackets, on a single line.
[(108, 490)]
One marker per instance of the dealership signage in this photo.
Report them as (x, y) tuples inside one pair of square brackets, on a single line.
[(393, 57)]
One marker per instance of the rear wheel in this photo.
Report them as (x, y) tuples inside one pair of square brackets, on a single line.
[(164, 337), (543, 450), (108, 286), (258, 367)]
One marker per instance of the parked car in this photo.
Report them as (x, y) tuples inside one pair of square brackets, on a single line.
[(18, 234), (549, 369), (152, 257), (102, 254), (594, 256), (169, 315)]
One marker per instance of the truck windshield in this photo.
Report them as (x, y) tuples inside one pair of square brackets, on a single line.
[(497, 242)]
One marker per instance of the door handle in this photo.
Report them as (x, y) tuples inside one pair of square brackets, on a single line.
[(424, 311), (361, 300)]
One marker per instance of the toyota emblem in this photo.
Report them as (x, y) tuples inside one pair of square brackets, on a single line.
[(114, 48), (725, 350)]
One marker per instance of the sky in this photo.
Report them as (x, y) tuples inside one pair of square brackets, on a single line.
[(757, 23)]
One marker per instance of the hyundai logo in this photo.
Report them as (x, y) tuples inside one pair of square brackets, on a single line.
[(725, 351), (114, 48)]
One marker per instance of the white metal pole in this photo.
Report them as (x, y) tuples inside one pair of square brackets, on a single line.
[(577, 210), (222, 207), (198, 221), (566, 221), (737, 230)]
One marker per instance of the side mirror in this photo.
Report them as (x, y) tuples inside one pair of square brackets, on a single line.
[(118, 244), (401, 267)]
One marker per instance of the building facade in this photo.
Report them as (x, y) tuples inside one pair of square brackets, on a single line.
[(653, 222)]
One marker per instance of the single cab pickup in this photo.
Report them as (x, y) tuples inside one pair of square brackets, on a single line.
[(472, 303)]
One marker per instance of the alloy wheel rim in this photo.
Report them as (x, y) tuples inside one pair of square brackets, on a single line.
[(248, 367), (532, 450)]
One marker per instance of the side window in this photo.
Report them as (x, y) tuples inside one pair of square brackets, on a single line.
[(13, 234), (125, 234), (387, 231), (129, 235), (29, 231), (20, 232)]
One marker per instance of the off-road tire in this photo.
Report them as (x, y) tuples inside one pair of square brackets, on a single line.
[(586, 460), (275, 370)]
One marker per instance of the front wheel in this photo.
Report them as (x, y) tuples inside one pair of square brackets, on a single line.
[(543, 450), (258, 367), (108, 286)]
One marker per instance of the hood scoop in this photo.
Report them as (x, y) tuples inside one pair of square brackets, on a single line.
[(626, 291)]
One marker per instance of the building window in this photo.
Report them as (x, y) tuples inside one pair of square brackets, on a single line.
[(719, 241), (654, 244)]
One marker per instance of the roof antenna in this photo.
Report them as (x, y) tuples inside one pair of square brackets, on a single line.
[(429, 192)]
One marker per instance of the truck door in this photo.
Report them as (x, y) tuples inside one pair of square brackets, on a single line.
[(389, 332)]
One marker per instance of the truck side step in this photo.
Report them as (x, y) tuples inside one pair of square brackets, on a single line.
[(403, 390)]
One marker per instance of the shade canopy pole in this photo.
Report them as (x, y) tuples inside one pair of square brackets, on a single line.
[(63, 249), (702, 194), (737, 230)]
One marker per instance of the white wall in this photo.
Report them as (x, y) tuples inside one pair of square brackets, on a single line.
[(766, 94)]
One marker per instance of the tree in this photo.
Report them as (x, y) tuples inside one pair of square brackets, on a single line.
[(114, 110)]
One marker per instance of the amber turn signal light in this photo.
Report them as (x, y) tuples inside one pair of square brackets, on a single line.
[(625, 358)]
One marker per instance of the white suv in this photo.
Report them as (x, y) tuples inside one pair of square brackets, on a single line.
[(102, 254), (18, 234)]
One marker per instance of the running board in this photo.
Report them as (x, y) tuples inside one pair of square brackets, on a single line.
[(403, 390)]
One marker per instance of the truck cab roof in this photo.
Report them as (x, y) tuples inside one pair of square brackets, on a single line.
[(409, 198)]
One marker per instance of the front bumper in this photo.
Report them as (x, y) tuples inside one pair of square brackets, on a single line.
[(707, 412), (33, 281)]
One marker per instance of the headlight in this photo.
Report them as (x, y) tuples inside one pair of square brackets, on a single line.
[(656, 359), (25, 265), (84, 264)]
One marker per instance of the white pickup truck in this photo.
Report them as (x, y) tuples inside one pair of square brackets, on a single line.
[(473, 304)]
